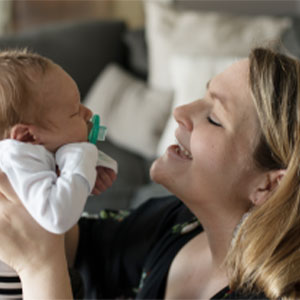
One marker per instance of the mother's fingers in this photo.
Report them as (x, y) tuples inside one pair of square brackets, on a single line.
[(23, 241), (6, 189)]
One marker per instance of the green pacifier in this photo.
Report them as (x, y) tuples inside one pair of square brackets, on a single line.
[(98, 131)]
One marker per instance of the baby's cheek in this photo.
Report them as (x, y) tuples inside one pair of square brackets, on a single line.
[(82, 133)]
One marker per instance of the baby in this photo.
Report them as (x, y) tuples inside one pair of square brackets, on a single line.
[(44, 148)]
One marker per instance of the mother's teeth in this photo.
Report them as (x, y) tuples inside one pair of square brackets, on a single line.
[(184, 151)]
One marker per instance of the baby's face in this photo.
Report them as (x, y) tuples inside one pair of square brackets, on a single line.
[(66, 118)]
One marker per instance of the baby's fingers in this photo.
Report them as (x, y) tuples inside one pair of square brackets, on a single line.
[(105, 178)]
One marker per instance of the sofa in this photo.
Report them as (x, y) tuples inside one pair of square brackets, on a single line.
[(83, 49), (90, 48)]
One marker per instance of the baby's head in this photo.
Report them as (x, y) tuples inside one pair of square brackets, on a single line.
[(39, 102)]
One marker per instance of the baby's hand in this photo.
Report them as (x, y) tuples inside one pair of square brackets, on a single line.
[(105, 178)]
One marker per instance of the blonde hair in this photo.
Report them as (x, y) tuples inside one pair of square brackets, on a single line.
[(17, 88), (265, 254)]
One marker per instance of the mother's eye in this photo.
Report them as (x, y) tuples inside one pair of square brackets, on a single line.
[(210, 120)]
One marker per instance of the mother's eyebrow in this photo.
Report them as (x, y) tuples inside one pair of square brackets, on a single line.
[(217, 96)]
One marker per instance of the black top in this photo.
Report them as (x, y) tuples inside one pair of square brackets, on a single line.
[(126, 254)]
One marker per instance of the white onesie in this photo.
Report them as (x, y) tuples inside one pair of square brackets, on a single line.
[(55, 202)]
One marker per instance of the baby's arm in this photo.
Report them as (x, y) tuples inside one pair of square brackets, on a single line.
[(107, 169), (55, 202)]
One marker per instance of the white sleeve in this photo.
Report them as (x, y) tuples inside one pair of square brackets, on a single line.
[(106, 161), (55, 202)]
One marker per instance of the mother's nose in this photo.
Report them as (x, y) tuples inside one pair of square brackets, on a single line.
[(182, 115)]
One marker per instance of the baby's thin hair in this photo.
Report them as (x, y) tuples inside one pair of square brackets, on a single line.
[(17, 97)]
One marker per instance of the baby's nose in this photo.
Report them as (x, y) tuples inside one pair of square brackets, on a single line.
[(86, 113)]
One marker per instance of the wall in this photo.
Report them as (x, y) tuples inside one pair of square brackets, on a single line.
[(5, 16), (131, 11), (31, 13), (246, 7)]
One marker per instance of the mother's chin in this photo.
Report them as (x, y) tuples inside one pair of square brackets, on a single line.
[(154, 170), (159, 173)]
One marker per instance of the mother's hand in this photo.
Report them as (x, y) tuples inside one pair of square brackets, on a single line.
[(37, 255)]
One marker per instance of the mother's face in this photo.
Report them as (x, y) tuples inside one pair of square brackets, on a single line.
[(218, 134)]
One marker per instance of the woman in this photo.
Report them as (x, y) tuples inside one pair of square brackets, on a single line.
[(236, 169)]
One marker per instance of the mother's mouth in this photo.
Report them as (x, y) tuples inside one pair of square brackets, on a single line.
[(183, 152)]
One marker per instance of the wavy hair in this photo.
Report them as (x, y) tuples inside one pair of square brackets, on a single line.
[(265, 254), (17, 88)]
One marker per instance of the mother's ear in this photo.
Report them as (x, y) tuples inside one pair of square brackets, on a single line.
[(267, 185), (24, 133)]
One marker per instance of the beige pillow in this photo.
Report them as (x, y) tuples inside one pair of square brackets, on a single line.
[(134, 114), (171, 32)]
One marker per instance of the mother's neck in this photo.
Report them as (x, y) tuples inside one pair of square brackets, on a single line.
[(219, 226)]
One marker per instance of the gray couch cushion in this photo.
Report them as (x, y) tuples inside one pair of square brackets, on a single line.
[(137, 52), (83, 48), (291, 38)]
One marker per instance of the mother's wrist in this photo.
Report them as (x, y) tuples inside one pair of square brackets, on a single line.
[(46, 280)]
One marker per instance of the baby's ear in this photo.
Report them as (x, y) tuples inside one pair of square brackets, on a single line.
[(24, 133), (267, 186)]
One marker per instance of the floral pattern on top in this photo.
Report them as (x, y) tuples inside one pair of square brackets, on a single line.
[(183, 228), (141, 284), (117, 215)]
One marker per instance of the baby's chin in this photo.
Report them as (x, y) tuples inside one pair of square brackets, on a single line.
[(49, 147)]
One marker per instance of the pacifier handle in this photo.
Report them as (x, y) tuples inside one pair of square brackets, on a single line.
[(98, 131)]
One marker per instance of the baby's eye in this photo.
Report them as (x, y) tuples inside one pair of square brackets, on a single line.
[(75, 114), (210, 120)]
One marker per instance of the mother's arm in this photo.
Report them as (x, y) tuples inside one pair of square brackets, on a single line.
[(71, 243), (37, 255)]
